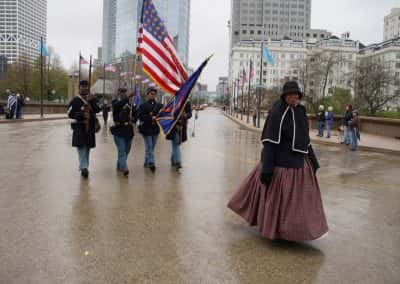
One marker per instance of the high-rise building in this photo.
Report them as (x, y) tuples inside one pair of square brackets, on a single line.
[(127, 25), (176, 15), (269, 19), (109, 30), (121, 19), (391, 28), (22, 24)]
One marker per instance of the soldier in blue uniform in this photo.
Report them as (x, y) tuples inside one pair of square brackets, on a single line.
[(83, 109), (125, 116)]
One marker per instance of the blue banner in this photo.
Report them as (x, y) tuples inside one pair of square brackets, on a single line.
[(172, 111)]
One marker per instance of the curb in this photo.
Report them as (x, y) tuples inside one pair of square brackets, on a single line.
[(13, 121), (360, 148)]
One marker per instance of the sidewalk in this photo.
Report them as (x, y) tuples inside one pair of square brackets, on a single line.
[(35, 117), (369, 142)]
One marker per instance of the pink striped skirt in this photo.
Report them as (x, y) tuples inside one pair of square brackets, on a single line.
[(289, 209)]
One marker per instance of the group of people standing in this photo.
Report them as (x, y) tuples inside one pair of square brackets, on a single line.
[(14, 108), (350, 125), (84, 107)]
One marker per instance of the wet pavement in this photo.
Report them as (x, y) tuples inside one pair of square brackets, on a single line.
[(174, 227)]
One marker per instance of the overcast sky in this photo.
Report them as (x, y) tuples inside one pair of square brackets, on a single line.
[(76, 25)]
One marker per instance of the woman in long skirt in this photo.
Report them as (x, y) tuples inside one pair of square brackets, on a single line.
[(281, 195)]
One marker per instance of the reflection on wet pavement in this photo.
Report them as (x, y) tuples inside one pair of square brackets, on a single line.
[(174, 227)]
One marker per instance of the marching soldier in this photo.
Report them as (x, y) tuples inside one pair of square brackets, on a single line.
[(83, 109), (124, 115), (148, 127), (178, 135)]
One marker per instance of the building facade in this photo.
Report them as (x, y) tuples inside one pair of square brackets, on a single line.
[(109, 30), (387, 52), (22, 25), (391, 28), (269, 19), (222, 86), (289, 55), (121, 20), (127, 26), (176, 15)]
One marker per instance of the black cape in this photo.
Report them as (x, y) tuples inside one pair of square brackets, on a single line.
[(272, 131)]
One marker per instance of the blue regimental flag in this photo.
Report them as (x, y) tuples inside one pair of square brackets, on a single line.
[(136, 98), (268, 56), (171, 113)]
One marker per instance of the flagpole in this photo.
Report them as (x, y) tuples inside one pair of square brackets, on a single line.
[(237, 96), (90, 72), (79, 74), (261, 70), (248, 96), (242, 99), (104, 81), (41, 77)]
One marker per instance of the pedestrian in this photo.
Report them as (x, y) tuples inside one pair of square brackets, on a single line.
[(254, 118), (320, 118), (105, 110), (281, 195), (2, 111), (354, 130), (348, 115), (20, 106), (148, 127), (178, 136), (329, 118), (83, 109), (12, 106), (124, 115)]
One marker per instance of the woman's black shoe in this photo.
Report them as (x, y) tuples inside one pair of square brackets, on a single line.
[(126, 173), (85, 173), (152, 168)]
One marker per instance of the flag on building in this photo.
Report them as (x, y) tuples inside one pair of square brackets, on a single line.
[(268, 56), (110, 68), (83, 61), (171, 113), (160, 59)]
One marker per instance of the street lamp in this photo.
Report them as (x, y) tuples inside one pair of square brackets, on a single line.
[(53, 93)]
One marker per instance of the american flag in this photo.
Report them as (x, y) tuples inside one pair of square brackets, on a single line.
[(110, 68), (160, 60), (83, 61), (243, 76)]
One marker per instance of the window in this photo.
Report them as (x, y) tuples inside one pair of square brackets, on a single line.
[(252, 32), (244, 32), (398, 65)]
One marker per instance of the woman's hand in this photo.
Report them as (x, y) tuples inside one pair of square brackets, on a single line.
[(266, 178)]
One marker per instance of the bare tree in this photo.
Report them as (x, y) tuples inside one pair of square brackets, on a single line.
[(314, 73), (374, 84)]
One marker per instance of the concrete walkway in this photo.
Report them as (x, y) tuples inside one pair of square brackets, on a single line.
[(35, 117), (369, 142), (171, 227)]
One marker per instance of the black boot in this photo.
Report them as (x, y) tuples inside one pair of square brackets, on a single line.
[(85, 173), (152, 168), (126, 173)]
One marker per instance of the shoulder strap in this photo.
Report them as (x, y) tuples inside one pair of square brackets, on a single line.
[(86, 103)]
